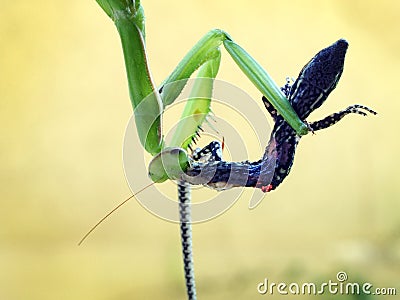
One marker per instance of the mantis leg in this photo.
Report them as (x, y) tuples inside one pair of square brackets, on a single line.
[(264, 83), (198, 105), (128, 17), (203, 51)]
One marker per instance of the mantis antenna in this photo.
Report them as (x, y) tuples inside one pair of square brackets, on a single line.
[(111, 212)]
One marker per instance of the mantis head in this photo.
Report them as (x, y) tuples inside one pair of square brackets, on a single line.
[(168, 164)]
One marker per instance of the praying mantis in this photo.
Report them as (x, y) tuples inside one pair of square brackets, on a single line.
[(171, 161)]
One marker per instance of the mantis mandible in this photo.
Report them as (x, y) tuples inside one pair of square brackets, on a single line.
[(172, 161)]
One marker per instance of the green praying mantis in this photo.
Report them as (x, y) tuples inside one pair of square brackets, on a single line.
[(149, 102)]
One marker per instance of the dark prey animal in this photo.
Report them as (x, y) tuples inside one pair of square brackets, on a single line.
[(316, 81)]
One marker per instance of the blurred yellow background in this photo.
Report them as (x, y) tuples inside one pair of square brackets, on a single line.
[(64, 108)]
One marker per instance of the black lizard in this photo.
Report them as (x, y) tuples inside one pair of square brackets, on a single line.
[(316, 81)]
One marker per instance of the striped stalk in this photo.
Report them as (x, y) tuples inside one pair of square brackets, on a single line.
[(186, 237)]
